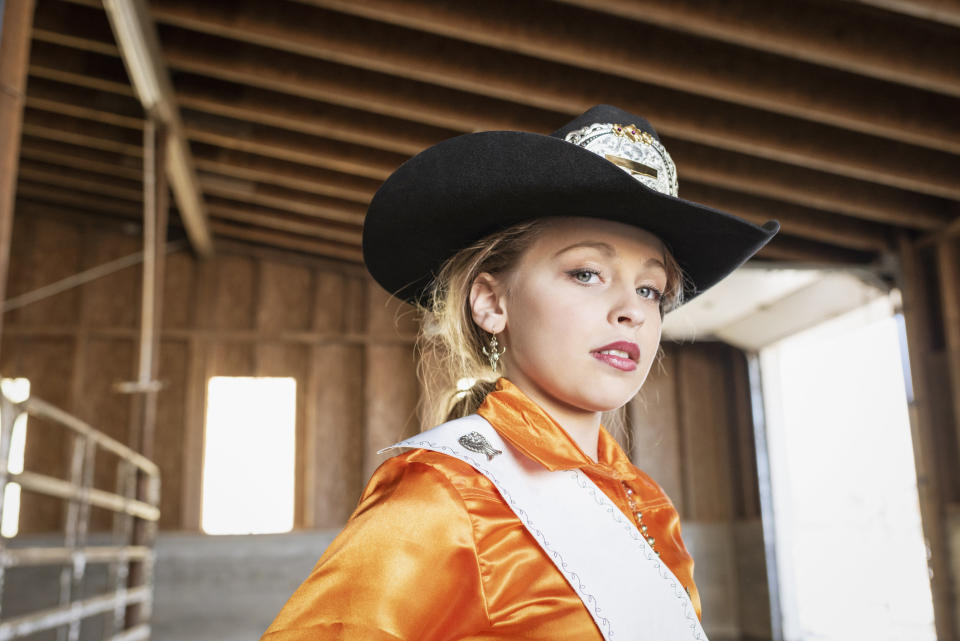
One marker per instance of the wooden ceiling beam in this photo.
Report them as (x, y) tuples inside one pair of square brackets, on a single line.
[(287, 145), (795, 220), (807, 252), (760, 134), (735, 129), (845, 37), (86, 133), (799, 90), (698, 164), (291, 175), (225, 210), (806, 188), (77, 157), (86, 181), (287, 241), (243, 102), (136, 36), (329, 210), (64, 64), (52, 194), (947, 13)]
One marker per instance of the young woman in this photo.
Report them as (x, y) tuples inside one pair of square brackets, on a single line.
[(543, 266)]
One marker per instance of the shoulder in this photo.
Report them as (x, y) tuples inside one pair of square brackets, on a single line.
[(419, 475)]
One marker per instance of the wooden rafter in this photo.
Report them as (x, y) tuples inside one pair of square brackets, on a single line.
[(135, 35)]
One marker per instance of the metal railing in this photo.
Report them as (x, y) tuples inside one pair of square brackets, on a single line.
[(134, 504)]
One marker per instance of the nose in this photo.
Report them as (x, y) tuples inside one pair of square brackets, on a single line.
[(628, 308)]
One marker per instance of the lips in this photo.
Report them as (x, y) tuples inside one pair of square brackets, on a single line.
[(621, 355), (623, 349)]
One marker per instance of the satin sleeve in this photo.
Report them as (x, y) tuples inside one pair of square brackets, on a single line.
[(404, 567)]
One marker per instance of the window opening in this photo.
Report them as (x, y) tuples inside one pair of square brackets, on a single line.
[(850, 550), (249, 455)]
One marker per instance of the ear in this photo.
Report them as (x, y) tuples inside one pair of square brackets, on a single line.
[(486, 303)]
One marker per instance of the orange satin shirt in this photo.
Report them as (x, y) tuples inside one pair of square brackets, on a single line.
[(434, 553)]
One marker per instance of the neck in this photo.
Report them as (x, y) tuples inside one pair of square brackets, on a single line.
[(583, 426)]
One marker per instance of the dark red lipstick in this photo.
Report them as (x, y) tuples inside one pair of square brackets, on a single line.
[(622, 355)]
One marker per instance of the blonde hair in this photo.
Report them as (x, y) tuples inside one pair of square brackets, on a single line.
[(454, 373)]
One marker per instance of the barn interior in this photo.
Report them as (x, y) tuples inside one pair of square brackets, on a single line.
[(182, 192)]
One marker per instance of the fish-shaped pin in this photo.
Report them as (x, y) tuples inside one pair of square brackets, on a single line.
[(477, 442)]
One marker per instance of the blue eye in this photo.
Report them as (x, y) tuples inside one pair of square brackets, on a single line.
[(650, 293), (584, 276)]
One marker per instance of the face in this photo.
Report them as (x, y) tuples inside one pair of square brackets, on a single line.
[(579, 315)]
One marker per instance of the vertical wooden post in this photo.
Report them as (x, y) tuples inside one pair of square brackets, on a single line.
[(17, 19), (948, 268), (916, 310), (146, 387)]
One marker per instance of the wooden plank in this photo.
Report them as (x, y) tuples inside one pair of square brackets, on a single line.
[(233, 290), (77, 157), (767, 83), (845, 37), (322, 208), (171, 421), (16, 17), (933, 10), (391, 394), (136, 36), (291, 242), (285, 301), (337, 394), (56, 249), (655, 429), (286, 111), (283, 173), (704, 420), (948, 270), (112, 300), (924, 427)]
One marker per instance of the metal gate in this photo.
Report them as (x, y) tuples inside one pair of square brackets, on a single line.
[(134, 504)]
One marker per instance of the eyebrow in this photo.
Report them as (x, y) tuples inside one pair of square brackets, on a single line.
[(608, 249)]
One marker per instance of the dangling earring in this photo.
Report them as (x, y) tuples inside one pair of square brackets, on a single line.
[(493, 352)]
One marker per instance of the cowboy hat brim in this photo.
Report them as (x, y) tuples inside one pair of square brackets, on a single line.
[(460, 190)]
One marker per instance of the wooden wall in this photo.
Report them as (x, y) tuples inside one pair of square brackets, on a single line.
[(247, 312)]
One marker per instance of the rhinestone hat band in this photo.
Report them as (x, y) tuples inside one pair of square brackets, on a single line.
[(633, 150)]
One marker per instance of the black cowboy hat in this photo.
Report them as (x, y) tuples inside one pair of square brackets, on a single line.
[(462, 189)]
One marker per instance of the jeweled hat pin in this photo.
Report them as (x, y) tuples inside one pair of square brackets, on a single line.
[(606, 164)]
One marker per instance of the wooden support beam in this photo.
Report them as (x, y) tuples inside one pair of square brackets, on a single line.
[(287, 111), (845, 37), (86, 181), (77, 157), (948, 270), (726, 127), (287, 241), (799, 90), (932, 10), (53, 195), (136, 37), (82, 132), (61, 62), (925, 423), (698, 165), (287, 145), (807, 252), (15, 19), (331, 211), (253, 217), (291, 175), (795, 220)]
